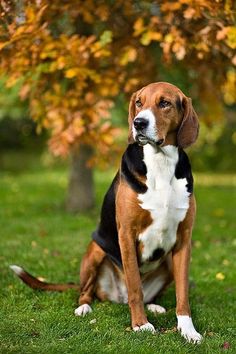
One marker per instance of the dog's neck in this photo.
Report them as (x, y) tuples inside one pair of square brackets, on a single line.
[(161, 160), (168, 151)]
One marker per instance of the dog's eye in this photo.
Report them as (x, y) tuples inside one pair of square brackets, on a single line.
[(138, 103), (164, 104)]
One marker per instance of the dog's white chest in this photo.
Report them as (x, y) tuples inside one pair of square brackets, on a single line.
[(167, 200)]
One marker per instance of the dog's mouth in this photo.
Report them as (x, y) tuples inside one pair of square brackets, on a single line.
[(143, 140)]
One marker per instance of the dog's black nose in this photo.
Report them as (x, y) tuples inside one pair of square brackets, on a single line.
[(140, 123)]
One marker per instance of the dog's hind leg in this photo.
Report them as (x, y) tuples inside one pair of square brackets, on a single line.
[(111, 283), (88, 277)]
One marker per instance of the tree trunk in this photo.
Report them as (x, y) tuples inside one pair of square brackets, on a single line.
[(80, 195)]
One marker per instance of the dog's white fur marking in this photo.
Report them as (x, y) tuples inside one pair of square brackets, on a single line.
[(156, 308), (113, 286), (166, 199), (146, 327), (151, 287), (16, 269), (151, 131), (82, 310), (186, 327)]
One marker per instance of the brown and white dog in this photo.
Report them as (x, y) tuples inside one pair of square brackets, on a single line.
[(143, 240)]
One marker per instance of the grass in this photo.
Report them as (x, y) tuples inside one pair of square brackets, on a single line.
[(36, 233)]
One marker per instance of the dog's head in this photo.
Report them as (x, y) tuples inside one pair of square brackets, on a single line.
[(161, 114)]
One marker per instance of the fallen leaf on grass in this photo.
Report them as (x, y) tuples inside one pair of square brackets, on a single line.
[(220, 276), (197, 244), (168, 330), (93, 321), (226, 262), (33, 244), (210, 334), (225, 345), (128, 329)]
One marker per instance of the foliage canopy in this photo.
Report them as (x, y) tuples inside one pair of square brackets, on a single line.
[(74, 57)]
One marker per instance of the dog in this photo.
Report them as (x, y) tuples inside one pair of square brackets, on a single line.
[(143, 241)]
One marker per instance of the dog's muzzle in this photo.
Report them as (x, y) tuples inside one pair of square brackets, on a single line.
[(141, 125)]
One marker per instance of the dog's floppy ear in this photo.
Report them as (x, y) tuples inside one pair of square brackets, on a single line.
[(131, 117), (188, 131)]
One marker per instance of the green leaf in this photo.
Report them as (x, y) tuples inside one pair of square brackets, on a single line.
[(106, 38)]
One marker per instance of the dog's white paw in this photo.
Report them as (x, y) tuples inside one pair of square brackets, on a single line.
[(156, 308), (146, 327), (186, 328), (82, 310)]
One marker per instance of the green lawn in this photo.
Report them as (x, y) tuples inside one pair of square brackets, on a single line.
[(36, 233)]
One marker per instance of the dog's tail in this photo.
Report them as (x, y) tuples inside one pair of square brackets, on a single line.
[(35, 283)]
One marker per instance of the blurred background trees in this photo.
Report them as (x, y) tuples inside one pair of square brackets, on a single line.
[(71, 66)]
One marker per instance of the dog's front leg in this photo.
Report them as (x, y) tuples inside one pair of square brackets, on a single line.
[(181, 258), (133, 282)]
